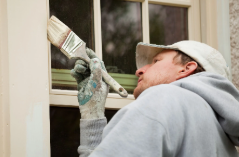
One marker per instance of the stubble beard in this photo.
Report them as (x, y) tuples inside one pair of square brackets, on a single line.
[(146, 84), (140, 88), (137, 91)]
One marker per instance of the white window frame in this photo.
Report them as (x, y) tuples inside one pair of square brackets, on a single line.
[(24, 73), (114, 101)]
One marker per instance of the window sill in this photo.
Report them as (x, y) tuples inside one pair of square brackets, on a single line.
[(67, 98)]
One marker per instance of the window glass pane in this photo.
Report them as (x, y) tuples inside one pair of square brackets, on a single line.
[(65, 131), (78, 15), (167, 24), (121, 25)]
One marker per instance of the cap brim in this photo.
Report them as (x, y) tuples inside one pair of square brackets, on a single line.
[(146, 52)]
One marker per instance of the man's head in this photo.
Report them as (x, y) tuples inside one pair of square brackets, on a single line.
[(158, 64), (166, 67)]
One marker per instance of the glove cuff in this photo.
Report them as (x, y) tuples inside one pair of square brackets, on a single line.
[(91, 131)]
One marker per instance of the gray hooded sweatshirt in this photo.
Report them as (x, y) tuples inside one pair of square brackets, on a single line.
[(197, 116)]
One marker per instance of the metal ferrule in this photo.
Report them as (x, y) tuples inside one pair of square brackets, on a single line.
[(72, 43)]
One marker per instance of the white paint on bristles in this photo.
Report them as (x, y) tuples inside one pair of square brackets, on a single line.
[(57, 31)]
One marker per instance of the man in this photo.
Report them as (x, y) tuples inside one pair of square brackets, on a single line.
[(185, 106)]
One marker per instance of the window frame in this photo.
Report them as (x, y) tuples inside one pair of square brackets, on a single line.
[(22, 91), (67, 98)]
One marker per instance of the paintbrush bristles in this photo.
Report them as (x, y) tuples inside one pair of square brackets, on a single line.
[(57, 31)]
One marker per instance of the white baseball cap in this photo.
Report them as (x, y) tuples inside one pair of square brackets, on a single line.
[(209, 58)]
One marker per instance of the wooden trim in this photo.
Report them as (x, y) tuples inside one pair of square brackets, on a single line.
[(68, 98), (49, 68), (177, 3), (63, 92), (97, 29), (71, 101), (49, 52), (223, 31), (208, 10), (74, 93), (26, 60), (62, 77), (5, 139), (145, 21), (215, 27), (194, 21), (117, 96)]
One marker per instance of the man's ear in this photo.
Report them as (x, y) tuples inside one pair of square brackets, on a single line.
[(187, 69)]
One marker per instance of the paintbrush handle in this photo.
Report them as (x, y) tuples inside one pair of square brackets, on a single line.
[(113, 84), (108, 79), (81, 53)]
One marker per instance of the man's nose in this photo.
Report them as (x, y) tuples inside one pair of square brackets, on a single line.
[(141, 71)]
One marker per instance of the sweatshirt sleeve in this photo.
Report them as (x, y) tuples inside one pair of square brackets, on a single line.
[(90, 135)]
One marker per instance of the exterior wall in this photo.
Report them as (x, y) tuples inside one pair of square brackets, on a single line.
[(234, 38), (234, 27), (24, 84), (24, 88), (4, 81)]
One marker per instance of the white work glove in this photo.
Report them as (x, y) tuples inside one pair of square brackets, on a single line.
[(92, 90)]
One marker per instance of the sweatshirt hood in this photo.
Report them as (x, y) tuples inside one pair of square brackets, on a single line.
[(221, 95)]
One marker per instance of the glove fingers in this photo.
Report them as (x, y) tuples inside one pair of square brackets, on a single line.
[(91, 54), (82, 68), (81, 62), (79, 68), (103, 66), (95, 68), (77, 76)]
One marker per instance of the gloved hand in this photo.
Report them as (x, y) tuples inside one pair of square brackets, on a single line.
[(92, 90)]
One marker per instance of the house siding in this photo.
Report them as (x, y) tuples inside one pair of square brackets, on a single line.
[(234, 37)]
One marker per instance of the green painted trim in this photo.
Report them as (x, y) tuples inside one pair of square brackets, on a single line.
[(62, 77)]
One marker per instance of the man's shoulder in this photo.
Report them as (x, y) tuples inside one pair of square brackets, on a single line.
[(166, 91), (167, 100)]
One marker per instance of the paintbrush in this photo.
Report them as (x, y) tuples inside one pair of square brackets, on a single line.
[(73, 47)]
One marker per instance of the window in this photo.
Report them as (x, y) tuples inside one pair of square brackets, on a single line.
[(112, 28), (167, 24), (121, 26), (65, 132), (80, 20), (23, 93)]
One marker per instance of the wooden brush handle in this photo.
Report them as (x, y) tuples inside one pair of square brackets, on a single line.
[(110, 81), (113, 84), (80, 53)]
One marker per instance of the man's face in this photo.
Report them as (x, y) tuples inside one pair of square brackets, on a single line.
[(162, 70)]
